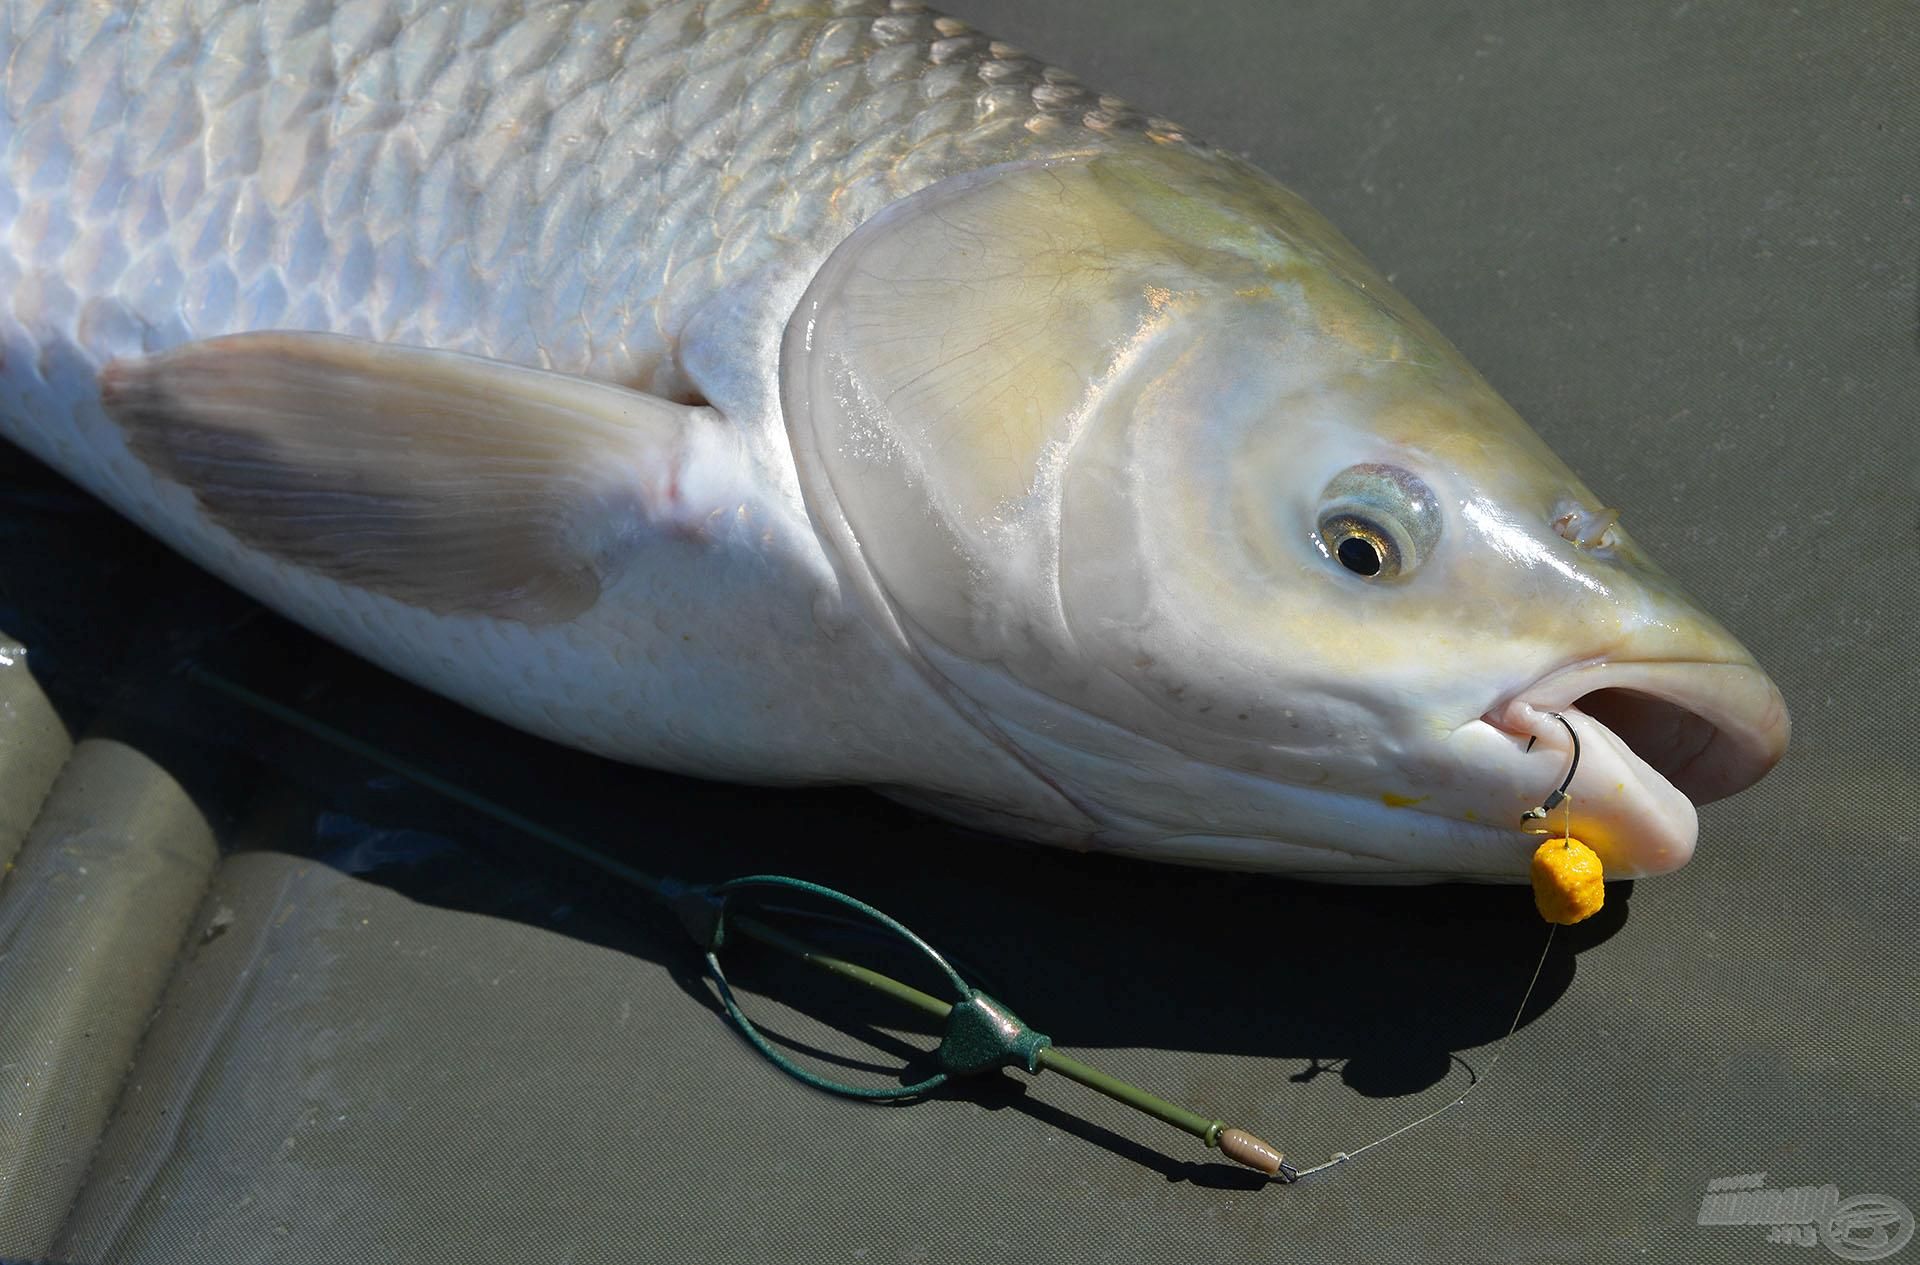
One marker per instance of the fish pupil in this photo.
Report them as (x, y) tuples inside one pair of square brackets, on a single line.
[(1358, 555)]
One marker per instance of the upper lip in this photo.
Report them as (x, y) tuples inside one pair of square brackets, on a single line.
[(1709, 729)]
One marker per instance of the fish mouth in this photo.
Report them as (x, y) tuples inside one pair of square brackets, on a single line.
[(1656, 739)]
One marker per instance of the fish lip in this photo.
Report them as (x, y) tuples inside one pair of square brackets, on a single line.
[(1673, 733), (1748, 715)]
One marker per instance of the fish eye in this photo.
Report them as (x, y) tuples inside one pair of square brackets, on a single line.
[(1378, 521)]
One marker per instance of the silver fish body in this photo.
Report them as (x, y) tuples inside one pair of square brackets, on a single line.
[(568, 186), (825, 440)]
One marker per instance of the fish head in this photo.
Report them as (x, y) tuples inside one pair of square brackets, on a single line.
[(1201, 520)]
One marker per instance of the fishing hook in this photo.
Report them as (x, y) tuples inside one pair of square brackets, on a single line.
[(1559, 796)]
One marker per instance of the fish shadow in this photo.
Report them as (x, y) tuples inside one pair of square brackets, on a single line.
[(1111, 952), (1390, 989), (1381, 986)]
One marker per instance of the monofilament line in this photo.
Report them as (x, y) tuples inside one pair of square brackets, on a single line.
[(1341, 1157)]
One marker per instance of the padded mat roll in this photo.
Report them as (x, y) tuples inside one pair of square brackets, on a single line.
[(90, 921)]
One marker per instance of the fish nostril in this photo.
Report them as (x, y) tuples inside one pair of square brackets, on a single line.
[(1585, 528)]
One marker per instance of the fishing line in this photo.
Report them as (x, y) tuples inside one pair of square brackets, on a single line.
[(1559, 798), (981, 1034), (1473, 1082)]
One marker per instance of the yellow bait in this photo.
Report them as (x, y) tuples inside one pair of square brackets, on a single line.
[(1568, 882)]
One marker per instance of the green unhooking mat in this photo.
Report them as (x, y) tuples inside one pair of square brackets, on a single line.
[(261, 1000)]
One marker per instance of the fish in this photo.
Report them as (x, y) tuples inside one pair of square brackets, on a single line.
[(820, 391)]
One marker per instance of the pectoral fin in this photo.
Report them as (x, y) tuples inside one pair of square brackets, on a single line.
[(446, 481)]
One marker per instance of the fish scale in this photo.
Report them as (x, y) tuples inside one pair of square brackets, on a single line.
[(552, 184)]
